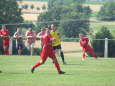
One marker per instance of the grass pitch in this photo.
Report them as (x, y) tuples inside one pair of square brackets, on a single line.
[(91, 72)]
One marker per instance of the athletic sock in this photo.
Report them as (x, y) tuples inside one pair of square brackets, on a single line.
[(36, 65), (62, 56), (58, 67), (7, 52), (84, 55)]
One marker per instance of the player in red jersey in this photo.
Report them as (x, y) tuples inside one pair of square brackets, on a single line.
[(84, 42), (5, 36), (47, 51)]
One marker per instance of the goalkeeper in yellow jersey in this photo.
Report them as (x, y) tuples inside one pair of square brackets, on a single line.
[(57, 42)]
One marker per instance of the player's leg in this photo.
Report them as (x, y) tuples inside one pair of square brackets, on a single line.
[(6, 47), (59, 52), (91, 51), (62, 56), (20, 46), (28, 45), (32, 49), (43, 57), (84, 54), (53, 57)]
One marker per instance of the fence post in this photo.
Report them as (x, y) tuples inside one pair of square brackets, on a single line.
[(106, 48), (10, 46)]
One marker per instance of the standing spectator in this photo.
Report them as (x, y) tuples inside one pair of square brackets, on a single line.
[(40, 35), (30, 35), (6, 37), (57, 42), (19, 40), (84, 42)]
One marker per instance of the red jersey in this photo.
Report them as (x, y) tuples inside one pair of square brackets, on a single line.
[(47, 50), (5, 39), (5, 33), (84, 42), (47, 41), (30, 40)]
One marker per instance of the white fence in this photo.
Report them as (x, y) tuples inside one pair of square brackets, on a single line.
[(106, 40)]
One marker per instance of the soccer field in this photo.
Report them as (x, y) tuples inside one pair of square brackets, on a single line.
[(91, 72)]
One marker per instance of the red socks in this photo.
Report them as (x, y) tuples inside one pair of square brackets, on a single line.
[(36, 65), (84, 55), (6, 52), (57, 66)]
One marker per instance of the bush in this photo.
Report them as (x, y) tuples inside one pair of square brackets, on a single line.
[(107, 12), (99, 45)]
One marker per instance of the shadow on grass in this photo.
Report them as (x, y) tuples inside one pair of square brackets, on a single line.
[(72, 64), (13, 73)]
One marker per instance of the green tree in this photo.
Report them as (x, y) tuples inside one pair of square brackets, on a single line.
[(75, 22), (99, 45), (68, 17), (107, 12), (49, 17), (10, 13)]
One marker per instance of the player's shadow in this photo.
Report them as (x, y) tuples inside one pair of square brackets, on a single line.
[(13, 73), (72, 64)]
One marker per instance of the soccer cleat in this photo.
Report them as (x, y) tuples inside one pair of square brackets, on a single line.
[(61, 72), (32, 70)]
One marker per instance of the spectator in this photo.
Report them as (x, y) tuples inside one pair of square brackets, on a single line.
[(6, 38), (30, 35), (19, 40)]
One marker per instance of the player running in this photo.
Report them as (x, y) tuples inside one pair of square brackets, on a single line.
[(47, 51), (30, 35), (6, 37), (19, 40), (57, 42), (84, 42)]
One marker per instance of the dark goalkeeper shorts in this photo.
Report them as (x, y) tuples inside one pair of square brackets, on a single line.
[(57, 47)]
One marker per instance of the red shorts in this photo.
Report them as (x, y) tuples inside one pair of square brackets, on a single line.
[(47, 52), (6, 43), (88, 48)]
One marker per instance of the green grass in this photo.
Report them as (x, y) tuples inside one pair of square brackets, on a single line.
[(91, 72), (95, 3)]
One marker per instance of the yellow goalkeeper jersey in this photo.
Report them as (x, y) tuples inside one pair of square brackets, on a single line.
[(56, 38)]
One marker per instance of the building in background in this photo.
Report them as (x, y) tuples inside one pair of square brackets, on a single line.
[(32, 9)]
